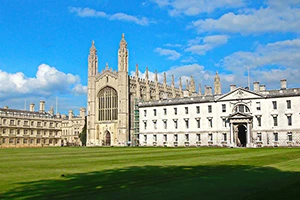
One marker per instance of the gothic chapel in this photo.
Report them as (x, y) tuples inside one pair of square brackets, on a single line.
[(112, 95)]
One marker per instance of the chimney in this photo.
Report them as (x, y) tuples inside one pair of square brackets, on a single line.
[(82, 112), (283, 84), (208, 91), (31, 107), (262, 88), (42, 106), (71, 114), (232, 87), (256, 86)]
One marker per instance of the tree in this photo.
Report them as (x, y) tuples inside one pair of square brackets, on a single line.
[(82, 135)]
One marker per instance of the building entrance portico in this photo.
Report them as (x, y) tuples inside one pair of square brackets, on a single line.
[(240, 130), (241, 135)]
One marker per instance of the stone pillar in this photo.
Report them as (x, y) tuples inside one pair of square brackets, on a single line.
[(231, 135), (248, 135)]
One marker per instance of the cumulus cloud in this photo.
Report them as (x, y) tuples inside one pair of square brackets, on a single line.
[(195, 7), (201, 45), (171, 54), (47, 82), (273, 18), (89, 12), (282, 56)]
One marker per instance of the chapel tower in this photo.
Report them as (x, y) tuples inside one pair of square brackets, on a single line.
[(92, 72), (123, 92)]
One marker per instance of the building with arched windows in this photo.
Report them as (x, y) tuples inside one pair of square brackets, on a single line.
[(123, 109), (112, 96), (239, 118)]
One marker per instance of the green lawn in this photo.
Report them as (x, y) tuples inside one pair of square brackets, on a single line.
[(150, 173)]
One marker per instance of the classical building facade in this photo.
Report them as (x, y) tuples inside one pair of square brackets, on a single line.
[(112, 96), (71, 127), (239, 118), (30, 128)]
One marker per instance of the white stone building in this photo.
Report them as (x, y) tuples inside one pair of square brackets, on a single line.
[(30, 128), (112, 96), (240, 117)]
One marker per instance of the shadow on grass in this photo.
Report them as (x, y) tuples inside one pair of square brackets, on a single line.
[(170, 182)]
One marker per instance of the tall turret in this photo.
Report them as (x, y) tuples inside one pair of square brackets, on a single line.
[(91, 93), (156, 86), (187, 85), (173, 87), (180, 86), (217, 85), (200, 90), (93, 61), (147, 85), (192, 85), (138, 87), (123, 91), (165, 82)]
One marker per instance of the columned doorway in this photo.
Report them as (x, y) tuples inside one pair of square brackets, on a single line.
[(242, 136), (107, 139), (240, 129)]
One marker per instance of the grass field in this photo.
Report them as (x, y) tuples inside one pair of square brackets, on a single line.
[(150, 173)]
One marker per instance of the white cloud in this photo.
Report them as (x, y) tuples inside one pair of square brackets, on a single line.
[(195, 7), (282, 56), (206, 44), (282, 53), (79, 89), (171, 54), (47, 82), (88, 12), (284, 18), (173, 45)]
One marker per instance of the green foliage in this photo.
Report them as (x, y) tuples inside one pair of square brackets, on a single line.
[(149, 173)]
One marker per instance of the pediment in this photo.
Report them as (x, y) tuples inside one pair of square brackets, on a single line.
[(239, 115), (239, 94)]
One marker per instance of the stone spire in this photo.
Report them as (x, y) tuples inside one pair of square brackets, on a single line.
[(217, 85), (93, 50), (187, 85), (165, 82), (180, 86), (137, 71), (123, 55), (200, 89), (146, 74), (138, 87), (173, 87), (156, 86), (192, 85), (93, 61), (147, 85), (173, 82)]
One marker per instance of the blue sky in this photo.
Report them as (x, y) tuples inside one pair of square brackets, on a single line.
[(44, 45)]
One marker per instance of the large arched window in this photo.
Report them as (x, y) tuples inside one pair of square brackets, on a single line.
[(108, 104), (241, 108)]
